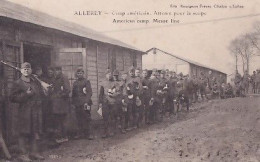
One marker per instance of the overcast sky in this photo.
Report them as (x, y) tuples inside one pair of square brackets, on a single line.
[(206, 43)]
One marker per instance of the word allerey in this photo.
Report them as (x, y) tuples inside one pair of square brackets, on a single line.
[(90, 13)]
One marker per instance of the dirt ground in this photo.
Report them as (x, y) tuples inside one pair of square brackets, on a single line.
[(218, 130)]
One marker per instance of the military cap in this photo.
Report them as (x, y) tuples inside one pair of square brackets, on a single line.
[(25, 65), (80, 70), (171, 72), (181, 75), (116, 72)]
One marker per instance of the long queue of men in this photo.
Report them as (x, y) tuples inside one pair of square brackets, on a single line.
[(127, 101), (139, 99)]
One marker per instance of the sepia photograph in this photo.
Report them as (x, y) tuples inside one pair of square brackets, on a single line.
[(130, 81)]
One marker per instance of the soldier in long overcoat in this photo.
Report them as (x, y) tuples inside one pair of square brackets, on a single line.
[(81, 99), (26, 92), (107, 102), (60, 100), (146, 83)]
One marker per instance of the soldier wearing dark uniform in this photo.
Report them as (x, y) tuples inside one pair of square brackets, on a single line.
[(172, 91), (47, 113), (26, 92), (189, 87), (126, 102), (163, 94), (209, 80), (253, 77), (81, 99), (155, 100), (138, 96), (133, 86), (119, 115), (60, 100), (195, 90), (182, 97), (107, 102), (146, 83), (245, 82), (237, 81), (202, 86)]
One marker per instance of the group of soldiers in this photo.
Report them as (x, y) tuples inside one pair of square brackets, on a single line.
[(127, 101), (139, 98), (43, 110), (242, 83)]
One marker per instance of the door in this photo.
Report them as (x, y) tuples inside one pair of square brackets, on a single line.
[(70, 59), (10, 53)]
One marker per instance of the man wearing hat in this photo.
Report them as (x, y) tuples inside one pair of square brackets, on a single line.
[(26, 92), (154, 101), (202, 85), (47, 103), (163, 95), (119, 114), (81, 99), (172, 91), (145, 80), (60, 99), (107, 101)]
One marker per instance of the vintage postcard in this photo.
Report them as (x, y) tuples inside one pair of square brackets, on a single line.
[(124, 80)]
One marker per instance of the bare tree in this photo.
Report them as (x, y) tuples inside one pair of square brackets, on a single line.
[(254, 38), (242, 47)]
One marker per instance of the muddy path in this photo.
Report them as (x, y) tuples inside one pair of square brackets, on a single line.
[(219, 130)]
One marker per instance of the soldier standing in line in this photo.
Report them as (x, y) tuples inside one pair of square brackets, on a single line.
[(119, 116), (253, 77), (209, 80), (138, 91), (107, 101), (146, 95), (81, 99), (131, 85), (195, 90), (26, 92), (60, 100), (202, 84), (245, 81), (189, 88), (126, 102), (257, 81), (172, 81), (154, 101), (47, 113), (163, 94), (237, 82)]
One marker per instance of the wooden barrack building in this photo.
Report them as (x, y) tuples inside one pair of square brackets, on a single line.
[(43, 40)]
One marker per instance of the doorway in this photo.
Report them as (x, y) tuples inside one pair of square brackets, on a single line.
[(38, 56)]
